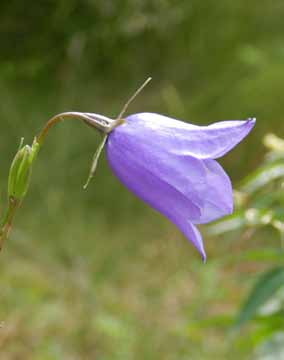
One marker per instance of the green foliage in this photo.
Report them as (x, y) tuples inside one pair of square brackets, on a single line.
[(260, 202), (96, 274), (259, 198), (267, 285)]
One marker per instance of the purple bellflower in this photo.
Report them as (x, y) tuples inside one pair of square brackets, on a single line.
[(167, 163), (171, 166)]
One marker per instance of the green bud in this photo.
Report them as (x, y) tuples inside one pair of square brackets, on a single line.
[(20, 171)]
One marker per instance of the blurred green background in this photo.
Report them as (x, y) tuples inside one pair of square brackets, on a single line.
[(97, 274)]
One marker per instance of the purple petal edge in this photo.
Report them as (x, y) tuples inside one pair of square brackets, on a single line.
[(204, 142), (192, 234)]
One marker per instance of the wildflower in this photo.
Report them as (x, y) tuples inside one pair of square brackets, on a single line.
[(171, 166), (167, 163)]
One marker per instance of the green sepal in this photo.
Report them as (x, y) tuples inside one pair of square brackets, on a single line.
[(20, 171)]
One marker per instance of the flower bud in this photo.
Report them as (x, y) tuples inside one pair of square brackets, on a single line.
[(20, 172)]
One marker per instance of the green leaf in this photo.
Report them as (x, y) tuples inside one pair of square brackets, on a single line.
[(269, 199), (250, 217), (264, 289), (262, 177), (229, 223)]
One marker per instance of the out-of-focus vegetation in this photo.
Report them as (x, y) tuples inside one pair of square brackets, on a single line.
[(96, 274), (260, 208)]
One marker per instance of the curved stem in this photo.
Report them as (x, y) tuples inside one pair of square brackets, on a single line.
[(54, 120), (100, 122)]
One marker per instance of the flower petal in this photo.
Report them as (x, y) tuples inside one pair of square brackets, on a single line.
[(204, 142), (201, 182), (216, 192), (169, 164), (191, 232), (155, 191), (185, 189), (141, 178)]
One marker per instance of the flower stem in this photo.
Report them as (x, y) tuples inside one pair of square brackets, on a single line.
[(54, 120), (19, 177), (101, 123), (6, 225)]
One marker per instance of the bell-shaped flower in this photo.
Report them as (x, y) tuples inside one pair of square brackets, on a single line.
[(171, 166)]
